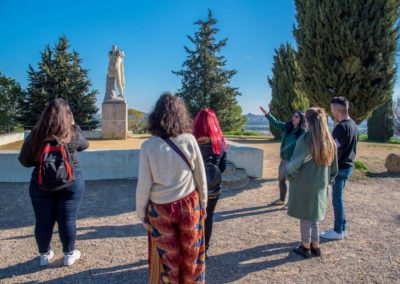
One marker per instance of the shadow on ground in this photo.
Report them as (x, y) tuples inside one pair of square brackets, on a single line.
[(128, 273), (253, 184), (101, 232), (382, 175), (100, 199), (245, 212), (232, 266)]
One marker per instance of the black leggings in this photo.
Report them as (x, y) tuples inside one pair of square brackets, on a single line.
[(211, 204), (61, 207)]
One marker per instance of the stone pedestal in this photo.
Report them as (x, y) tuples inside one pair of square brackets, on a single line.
[(115, 119)]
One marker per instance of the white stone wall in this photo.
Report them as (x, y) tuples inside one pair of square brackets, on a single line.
[(249, 158), (119, 164), (11, 138)]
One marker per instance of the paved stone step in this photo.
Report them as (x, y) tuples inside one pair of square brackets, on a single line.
[(230, 168), (235, 181)]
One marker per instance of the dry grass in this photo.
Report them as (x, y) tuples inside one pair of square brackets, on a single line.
[(251, 241)]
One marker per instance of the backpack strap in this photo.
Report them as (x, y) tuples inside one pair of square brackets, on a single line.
[(178, 151)]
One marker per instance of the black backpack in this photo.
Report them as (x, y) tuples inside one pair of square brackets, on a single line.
[(55, 167), (213, 173)]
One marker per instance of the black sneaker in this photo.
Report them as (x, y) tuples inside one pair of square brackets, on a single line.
[(315, 251), (302, 251)]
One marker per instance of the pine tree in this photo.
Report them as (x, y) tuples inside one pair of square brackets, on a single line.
[(10, 94), (347, 48), (60, 75), (205, 79), (286, 97), (380, 124)]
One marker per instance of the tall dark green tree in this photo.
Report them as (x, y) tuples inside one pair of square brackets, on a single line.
[(205, 79), (60, 75), (10, 94), (347, 48), (380, 124), (286, 97)]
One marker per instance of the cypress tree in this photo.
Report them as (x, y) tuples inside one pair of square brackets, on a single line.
[(60, 75), (347, 48), (286, 97), (205, 79), (380, 124)]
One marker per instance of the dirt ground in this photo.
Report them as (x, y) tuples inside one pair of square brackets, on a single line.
[(251, 241)]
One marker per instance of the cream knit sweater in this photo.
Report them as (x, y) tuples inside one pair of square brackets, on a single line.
[(164, 176)]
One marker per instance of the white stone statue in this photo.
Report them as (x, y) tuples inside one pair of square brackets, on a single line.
[(115, 75)]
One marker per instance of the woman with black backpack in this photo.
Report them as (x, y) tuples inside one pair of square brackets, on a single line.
[(56, 185), (213, 147)]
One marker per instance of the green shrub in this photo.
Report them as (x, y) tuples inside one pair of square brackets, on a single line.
[(363, 137), (243, 133), (360, 166)]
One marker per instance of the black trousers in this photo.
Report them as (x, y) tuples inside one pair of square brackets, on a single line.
[(211, 204), (60, 207)]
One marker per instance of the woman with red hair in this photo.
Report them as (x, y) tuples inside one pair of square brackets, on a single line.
[(213, 147)]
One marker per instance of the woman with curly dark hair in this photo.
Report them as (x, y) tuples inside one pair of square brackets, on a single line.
[(171, 195)]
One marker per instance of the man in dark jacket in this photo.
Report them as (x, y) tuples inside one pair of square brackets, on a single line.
[(345, 135)]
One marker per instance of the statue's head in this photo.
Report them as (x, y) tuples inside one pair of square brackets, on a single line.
[(114, 47)]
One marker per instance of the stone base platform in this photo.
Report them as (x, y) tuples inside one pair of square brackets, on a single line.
[(114, 120)]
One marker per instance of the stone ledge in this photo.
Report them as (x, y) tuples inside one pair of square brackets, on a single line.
[(118, 164)]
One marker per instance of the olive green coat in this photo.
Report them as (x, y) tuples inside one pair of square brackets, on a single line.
[(288, 140), (308, 183)]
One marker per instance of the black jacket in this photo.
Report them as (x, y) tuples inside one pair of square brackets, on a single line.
[(78, 143), (218, 159)]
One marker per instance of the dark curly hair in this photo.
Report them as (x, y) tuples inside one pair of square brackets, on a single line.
[(170, 117)]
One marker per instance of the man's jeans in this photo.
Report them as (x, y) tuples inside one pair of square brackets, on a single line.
[(337, 199)]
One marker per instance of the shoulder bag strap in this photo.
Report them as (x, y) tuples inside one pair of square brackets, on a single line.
[(178, 151)]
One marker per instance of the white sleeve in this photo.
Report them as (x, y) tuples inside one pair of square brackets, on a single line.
[(199, 174), (144, 184)]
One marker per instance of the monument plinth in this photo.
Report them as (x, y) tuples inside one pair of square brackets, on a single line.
[(115, 109), (115, 119)]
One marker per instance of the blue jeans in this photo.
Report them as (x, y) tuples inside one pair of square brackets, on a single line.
[(337, 199), (60, 207)]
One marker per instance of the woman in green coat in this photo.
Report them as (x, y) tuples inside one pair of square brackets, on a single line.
[(311, 169), (291, 131)]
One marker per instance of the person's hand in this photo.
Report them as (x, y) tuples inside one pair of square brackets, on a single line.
[(204, 213), (263, 111), (145, 224)]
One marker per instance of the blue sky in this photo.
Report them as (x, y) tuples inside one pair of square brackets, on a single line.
[(152, 34)]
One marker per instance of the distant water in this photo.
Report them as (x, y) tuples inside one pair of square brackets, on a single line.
[(264, 128)]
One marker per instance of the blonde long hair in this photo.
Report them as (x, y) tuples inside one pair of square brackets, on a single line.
[(322, 145)]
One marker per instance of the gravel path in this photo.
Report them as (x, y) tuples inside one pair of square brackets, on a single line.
[(251, 241)]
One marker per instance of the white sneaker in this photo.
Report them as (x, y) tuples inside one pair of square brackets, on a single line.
[(70, 258), (345, 234), (331, 235), (285, 207), (46, 257)]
